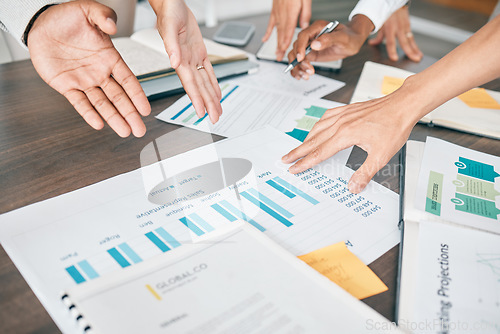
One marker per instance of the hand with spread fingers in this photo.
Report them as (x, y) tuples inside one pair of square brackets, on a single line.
[(188, 56), (397, 27), (344, 41), (284, 16), (378, 126), (71, 50), (382, 126)]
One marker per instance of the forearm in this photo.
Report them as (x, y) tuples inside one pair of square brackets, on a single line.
[(471, 64)]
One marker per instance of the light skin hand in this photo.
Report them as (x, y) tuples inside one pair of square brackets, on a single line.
[(184, 45), (344, 41), (397, 27), (71, 50), (284, 16), (377, 126)]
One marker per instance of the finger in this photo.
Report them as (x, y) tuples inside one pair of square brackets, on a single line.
[(378, 39), (405, 45), (83, 106), (213, 79), (360, 179), (102, 16), (210, 101), (305, 15), (410, 48), (125, 78), (285, 34), (390, 45), (190, 85), (108, 111), (270, 27), (170, 38), (320, 153), (304, 37), (309, 145), (124, 106)]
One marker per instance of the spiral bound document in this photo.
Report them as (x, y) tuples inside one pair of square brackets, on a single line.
[(239, 282)]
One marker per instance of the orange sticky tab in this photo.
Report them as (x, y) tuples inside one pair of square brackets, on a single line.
[(390, 84), (479, 98), (337, 263)]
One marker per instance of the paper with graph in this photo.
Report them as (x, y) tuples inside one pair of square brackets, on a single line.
[(247, 108), (128, 219), (460, 185)]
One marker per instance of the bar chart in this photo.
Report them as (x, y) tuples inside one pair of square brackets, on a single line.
[(264, 199)]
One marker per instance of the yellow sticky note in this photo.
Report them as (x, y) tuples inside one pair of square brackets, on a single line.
[(390, 84), (479, 98), (337, 263)]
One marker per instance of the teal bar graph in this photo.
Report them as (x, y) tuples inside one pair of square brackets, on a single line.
[(130, 253), (270, 203), (241, 215), (157, 241), (122, 261), (75, 274), (192, 226), (295, 190), (168, 237), (266, 209), (201, 222), (282, 190), (87, 269), (224, 213)]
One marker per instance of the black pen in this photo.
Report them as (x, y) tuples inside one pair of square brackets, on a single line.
[(327, 29)]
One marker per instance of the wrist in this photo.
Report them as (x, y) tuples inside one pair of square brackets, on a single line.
[(412, 106), (33, 22), (361, 25)]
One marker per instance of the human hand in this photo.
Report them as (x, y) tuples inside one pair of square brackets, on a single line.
[(71, 50), (397, 27), (344, 41), (380, 127), (284, 16), (187, 52)]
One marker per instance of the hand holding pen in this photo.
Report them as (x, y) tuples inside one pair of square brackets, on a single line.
[(344, 41), (326, 29)]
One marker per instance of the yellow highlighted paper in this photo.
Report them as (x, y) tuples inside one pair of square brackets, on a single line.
[(337, 263), (390, 84), (153, 292), (479, 98)]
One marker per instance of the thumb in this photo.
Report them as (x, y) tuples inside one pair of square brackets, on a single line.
[(103, 17), (377, 40), (360, 179), (172, 44)]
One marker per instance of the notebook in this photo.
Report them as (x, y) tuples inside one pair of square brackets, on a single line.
[(238, 282), (450, 265), (268, 52), (477, 111), (144, 53)]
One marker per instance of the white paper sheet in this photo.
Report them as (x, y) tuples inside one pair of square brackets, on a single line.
[(99, 229), (227, 285), (247, 108), (459, 185), (271, 77), (458, 283)]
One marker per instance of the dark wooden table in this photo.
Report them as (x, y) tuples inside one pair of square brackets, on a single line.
[(46, 149)]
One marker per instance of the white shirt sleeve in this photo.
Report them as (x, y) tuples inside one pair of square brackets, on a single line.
[(16, 14), (378, 11)]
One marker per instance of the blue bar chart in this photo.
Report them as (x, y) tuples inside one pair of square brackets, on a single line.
[(75, 274), (295, 190), (241, 215), (266, 209), (119, 258), (191, 115)]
